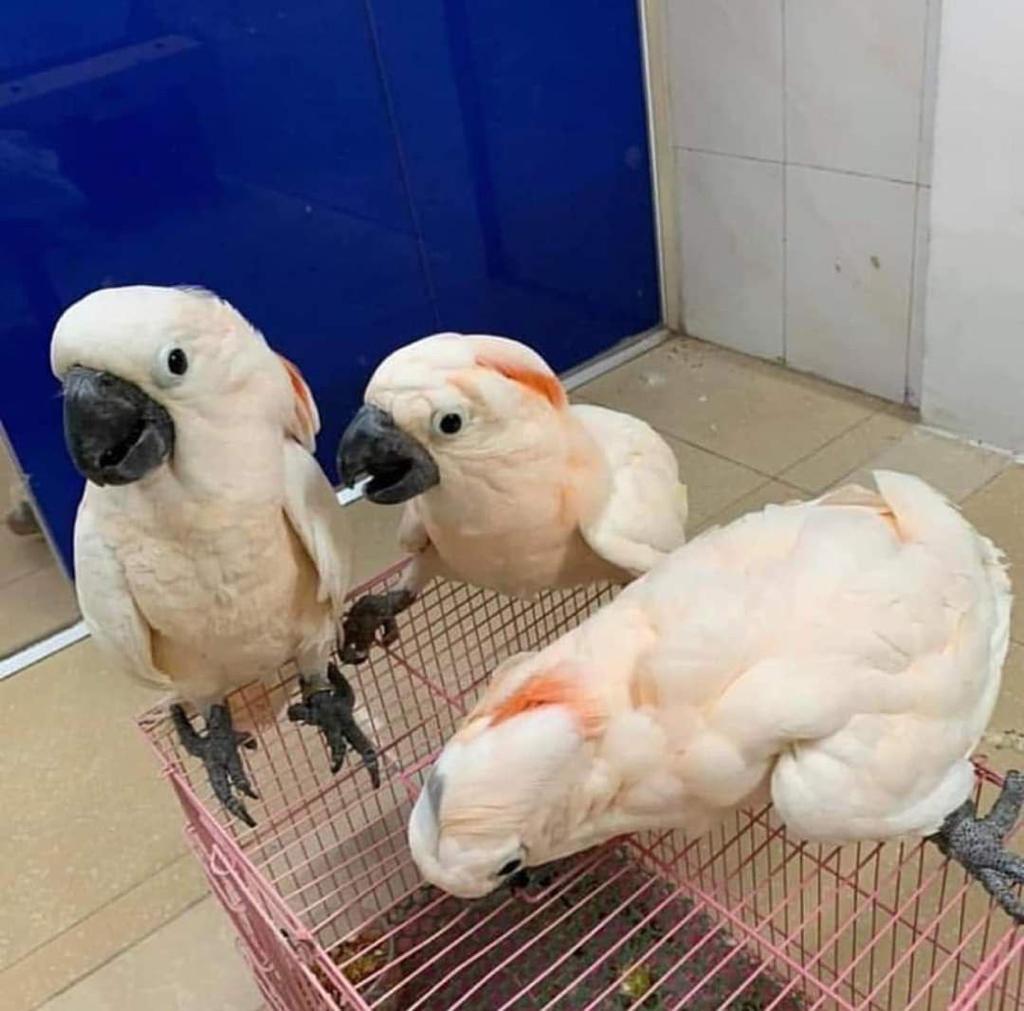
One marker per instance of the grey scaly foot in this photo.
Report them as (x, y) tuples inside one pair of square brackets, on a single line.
[(218, 751), (978, 844), (331, 711), (368, 615)]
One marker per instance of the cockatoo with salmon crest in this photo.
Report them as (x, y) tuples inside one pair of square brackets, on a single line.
[(507, 486), (209, 546), (842, 656)]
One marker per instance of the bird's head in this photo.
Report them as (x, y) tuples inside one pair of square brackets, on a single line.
[(442, 402), (496, 801), (136, 363)]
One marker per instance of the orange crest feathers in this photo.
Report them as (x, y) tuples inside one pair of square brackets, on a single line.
[(545, 384), (551, 688), (305, 420)]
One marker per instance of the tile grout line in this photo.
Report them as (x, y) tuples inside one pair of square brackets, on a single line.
[(122, 951), (926, 73), (184, 855), (780, 476), (6, 582), (872, 413), (785, 187), (930, 11), (912, 286), (665, 433), (829, 442), (985, 484), (801, 164), (782, 479), (882, 408), (713, 519)]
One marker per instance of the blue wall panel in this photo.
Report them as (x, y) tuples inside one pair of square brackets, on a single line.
[(351, 174), (524, 135)]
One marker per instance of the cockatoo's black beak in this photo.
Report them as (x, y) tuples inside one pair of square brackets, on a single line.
[(115, 433), (398, 466)]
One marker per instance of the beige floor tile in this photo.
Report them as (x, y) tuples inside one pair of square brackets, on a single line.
[(1003, 744), (87, 816), (34, 606), (712, 482), (955, 468), (769, 493), (849, 451), (997, 510), (20, 556), (755, 413), (112, 929), (375, 533), (190, 964)]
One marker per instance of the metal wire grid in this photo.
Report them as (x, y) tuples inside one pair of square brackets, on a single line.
[(331, 913)]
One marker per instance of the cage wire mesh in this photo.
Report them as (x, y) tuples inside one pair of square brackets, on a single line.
[(331, 912)]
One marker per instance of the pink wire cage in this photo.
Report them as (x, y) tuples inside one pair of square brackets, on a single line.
[(331, 912)]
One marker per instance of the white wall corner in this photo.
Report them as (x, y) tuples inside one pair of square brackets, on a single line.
[(973, 369)]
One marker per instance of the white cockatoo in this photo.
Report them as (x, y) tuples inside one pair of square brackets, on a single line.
[(842, 656), (507, 486), (210, 548)]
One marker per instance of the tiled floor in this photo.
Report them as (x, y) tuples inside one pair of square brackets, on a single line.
[(102, 904), (36, 598)]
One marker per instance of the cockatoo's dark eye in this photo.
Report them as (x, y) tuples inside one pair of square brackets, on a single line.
[(177, 361), (447, 422), (169, 366), (510, 868)]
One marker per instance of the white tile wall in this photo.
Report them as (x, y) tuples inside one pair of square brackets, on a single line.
[(974, 358), (849, 247), (726, 60), (730, 224), (853, 84), (918, 295), (929, 91), (802, 131)]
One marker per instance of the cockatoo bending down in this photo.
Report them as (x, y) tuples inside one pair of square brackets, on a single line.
[(842, 655), (209, 546), (506, 485)]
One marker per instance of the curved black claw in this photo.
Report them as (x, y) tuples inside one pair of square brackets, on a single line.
[(368, 615), (331, 711), (977, 844), (218, 751)]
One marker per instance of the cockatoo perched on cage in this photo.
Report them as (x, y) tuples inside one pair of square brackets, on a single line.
[(507, 486), (842, 654), (209, 546)]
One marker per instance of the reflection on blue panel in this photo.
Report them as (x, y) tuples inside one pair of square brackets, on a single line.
[(523, 127), (351, 174)]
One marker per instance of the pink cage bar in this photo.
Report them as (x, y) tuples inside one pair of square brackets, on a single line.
[(331, 913)]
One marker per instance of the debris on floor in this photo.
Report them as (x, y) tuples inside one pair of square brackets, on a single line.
[(1004, 740), (21, 520)]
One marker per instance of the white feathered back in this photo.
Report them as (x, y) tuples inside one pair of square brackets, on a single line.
[(845, 652)]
